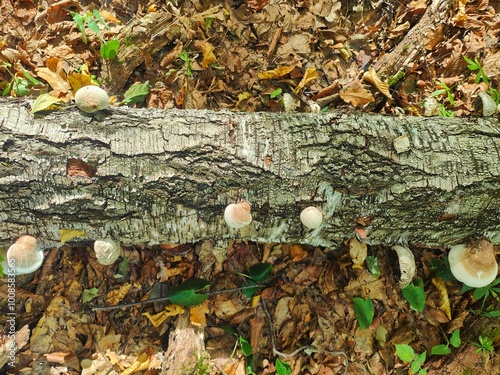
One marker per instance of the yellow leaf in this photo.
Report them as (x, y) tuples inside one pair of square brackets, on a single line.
[(116, 295), (68, 234), (279, 72), (356, 95), (46, 102), (255, 301), (197, 314), (310, 75), (208, 55), (80, 79), (140, 364), (372, 77), (158, 319), (443, 295)]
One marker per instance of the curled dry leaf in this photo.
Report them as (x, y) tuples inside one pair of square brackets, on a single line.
[(372, 77), (358, 252), (356, 95)]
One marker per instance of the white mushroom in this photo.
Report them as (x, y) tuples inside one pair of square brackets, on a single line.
[(91, 99), (237, 215), (25, 256), (106, 251), (406, 265), (311, 217), (475, 264)]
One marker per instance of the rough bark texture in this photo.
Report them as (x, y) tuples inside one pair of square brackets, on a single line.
[(166, 176)]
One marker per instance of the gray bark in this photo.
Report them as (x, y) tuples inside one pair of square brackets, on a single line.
[(166, 176)]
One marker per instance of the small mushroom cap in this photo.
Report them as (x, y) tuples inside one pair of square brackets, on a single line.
[(407, 265), (106, 251), (475, 264), (311, 217), (26, 254), (91, 99), (237, 215)]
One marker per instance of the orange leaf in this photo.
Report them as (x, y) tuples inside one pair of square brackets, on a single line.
[(310, 75), (198, 314), (372, 77)]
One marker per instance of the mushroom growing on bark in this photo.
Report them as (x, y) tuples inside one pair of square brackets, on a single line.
[(237, 215), (311, 217), (25, 256), (106, 251), (91, 99), (475, 264)]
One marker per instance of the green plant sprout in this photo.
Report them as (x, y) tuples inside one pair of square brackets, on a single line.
[(445, 89), (109, 49), (408, 355), (415, 295), (484, 345), (282, 368), (184, 56), (444, 349), (475, 66), (19, 85), (483, 294)]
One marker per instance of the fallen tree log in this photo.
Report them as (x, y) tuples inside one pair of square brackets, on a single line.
[(165, 176)]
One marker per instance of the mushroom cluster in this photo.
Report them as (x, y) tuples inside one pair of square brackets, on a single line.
[(474, 264)]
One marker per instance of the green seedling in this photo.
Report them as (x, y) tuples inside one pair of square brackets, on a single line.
[(282, 368), (19, 85), (483, 294), (93, 21), (245, 347), (184, 56), (444, 349), (373, 265), (276, 93), (408, 355), (415, 295), (443, 112), (364, 311), (484, 345), (475, 66), (445, 89), (136, 93)]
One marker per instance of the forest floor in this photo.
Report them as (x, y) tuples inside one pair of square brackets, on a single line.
[(396, 58)]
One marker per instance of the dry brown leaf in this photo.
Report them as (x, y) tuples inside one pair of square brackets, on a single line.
[(358, 252), (198, 314), (116, 295), (140, 364), (55, 76), (356, 95), (310, 75), (372, 77), (279, 72), (309, 275), (297, 253)]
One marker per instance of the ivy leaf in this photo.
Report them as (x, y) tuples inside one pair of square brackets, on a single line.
[(363, 308), (415, 295), (188, 293)]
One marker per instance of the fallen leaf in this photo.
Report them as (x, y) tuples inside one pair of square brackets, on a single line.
[(208, 55), (69, 234), (443, 295), (116, 295), (46, 102), (310, 75), (356, 95), (279, 72), (358, 252), (158, 319), (372, 77), (198, 314), (54, 75), (297, 253)]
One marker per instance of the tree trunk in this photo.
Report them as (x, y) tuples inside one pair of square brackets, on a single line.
[(165, 176)]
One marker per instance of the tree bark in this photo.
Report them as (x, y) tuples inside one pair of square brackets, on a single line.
[(165, 176)]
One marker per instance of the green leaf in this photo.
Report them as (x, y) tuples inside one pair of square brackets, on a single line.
[(80, 24), (89, 294), (282, 368), (415, 295), (257, 274), (276, 93), (187, 294), (123, 267), (441, 268), (45, 102), (422, 371), (21, 86), (98, 17), (363, 308), (32, 80), (405, 352), (136, 93), (455, 339), (440, 350), (372, 265), (92, 25), (246, 348), (109, 49), (491, 314), (1, 267)]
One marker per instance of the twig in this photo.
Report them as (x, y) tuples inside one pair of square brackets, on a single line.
[(295, 352)]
